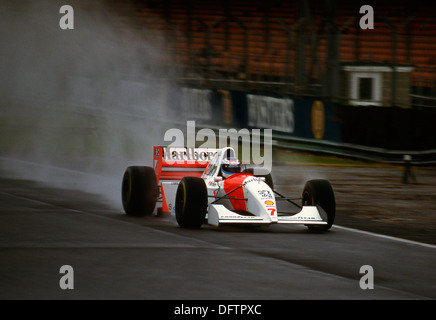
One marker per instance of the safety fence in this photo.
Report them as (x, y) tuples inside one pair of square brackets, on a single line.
[(374, 134)]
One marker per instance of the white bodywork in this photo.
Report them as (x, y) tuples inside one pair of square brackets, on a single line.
[(252, 194)]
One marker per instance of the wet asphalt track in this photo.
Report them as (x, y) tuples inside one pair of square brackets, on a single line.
[(118, 257)]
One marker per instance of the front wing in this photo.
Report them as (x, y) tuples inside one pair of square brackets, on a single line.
[(218, 214)]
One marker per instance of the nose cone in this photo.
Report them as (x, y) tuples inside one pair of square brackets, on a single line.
[(260, 198)]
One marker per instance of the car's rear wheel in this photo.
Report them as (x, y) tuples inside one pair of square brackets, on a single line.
[(191, 202), (139, 190), (320, 193)]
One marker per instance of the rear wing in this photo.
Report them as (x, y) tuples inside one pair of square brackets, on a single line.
[(174, 163)]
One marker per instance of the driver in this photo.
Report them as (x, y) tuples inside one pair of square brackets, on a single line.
[(230, 166)]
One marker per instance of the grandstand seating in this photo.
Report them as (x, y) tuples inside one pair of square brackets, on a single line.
[(250, 38)]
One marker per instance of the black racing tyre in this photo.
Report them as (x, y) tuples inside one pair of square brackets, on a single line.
[(191, 202), (268, 178), (320, 193), (139, 191)]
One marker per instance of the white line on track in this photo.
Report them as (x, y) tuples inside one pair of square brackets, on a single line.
[(422, 244)]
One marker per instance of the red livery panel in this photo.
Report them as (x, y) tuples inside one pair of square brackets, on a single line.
[(234, 182)]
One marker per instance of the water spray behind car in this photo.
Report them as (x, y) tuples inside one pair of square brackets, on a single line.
[(89, 100)]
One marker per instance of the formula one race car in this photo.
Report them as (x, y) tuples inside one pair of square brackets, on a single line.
[(208, 185)]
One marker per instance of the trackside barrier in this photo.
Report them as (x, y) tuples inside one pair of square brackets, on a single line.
[(347, 150), (418, 158)]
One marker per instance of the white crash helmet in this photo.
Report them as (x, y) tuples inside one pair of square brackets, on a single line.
[(230, 166)]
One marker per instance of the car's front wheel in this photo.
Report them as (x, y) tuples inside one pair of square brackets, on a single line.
[(191, 202), (320, 193)]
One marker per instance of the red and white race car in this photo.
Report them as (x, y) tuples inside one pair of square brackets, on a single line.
[(208, 185)]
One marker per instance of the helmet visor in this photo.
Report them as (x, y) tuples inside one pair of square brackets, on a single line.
[(231, 168)]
